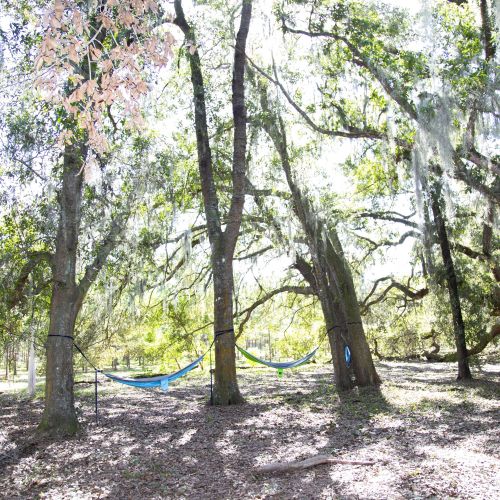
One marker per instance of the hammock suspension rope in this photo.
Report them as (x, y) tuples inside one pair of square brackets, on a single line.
[(163, 381)]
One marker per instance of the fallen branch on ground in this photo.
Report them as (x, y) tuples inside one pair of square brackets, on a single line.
[(304, 464)]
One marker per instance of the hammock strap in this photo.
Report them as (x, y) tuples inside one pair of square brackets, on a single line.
[(95, 394), (218, 333), (85, 357)]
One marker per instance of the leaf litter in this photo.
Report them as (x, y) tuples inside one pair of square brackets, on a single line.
[(431, 437)]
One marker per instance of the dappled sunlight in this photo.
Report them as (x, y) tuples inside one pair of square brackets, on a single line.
[(186, 437), (173, 444), (241, 243)]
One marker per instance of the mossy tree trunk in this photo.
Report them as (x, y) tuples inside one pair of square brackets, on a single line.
[(59, 417), (335, 321), (464, 372), (362, 361), (334, 279), (223, 242)]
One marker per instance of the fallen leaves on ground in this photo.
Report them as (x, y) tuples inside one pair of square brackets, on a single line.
[(431, 436)]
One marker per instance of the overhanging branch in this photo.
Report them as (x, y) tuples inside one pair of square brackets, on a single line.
[(247, 313), (34, 259)]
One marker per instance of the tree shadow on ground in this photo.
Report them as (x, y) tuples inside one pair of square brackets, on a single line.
[(17, 442), (154, 445)]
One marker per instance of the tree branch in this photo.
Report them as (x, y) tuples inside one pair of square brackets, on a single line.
[(240, 131), (300, 290), (209, 191), (34, 259), (392, 217), (479, 347), (103, 250), (391, 86), (352, 133), (407, 292)]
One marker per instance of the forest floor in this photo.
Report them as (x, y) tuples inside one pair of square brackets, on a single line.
[(430, 437)]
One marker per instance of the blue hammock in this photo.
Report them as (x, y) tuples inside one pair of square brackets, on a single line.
[(161, 381), (278, 366)]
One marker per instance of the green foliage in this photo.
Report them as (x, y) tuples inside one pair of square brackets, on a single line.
[(151, 303)]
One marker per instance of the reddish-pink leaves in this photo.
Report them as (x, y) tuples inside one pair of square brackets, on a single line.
[(103, 64)]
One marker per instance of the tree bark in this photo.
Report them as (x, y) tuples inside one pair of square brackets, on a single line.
[(452, 283), (59, 417), (226, 390), (334, 314), (335, 321), (223, 243), (362, 361), (334, 280), (488, 41)]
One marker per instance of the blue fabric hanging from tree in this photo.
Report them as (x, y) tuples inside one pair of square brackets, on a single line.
[(347, 356)]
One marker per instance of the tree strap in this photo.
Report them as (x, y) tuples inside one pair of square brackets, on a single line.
[(222, 332), (347, 323), (332, 328), (86, 359)]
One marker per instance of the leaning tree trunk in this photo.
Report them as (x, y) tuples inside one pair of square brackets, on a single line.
[(333, 312), (362, 360), (464, 372), (59, 417), (335, 322), (334, 276), (337, 337)]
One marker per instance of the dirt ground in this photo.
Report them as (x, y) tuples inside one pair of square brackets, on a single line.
[(429, 436)]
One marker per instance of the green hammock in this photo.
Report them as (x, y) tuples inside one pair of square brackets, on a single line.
[(279, 366)]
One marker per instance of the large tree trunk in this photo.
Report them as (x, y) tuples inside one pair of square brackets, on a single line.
[(337, 337), (59, 417), (223, 243), (335, 319), (336, 287), (452, 284), (339, 303), (333, 314), (226, 391), (362, 360)]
